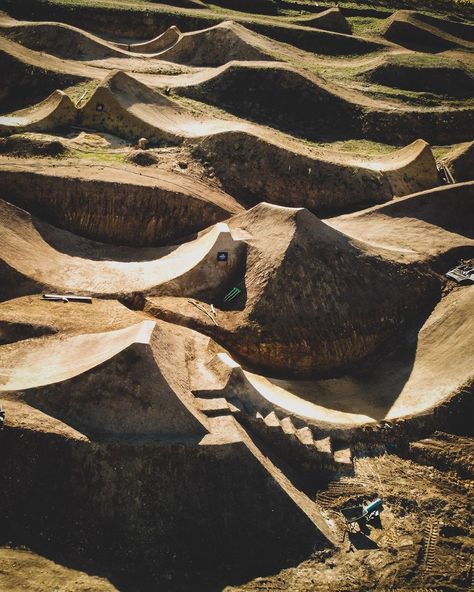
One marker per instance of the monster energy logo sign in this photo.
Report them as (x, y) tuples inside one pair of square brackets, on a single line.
[(232, 295)]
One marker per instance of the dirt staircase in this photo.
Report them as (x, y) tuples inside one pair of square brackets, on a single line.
[(296, 444)]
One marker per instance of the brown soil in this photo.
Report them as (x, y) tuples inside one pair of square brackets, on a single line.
[(199, 369)]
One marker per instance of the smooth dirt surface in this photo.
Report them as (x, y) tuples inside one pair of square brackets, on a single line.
[(258, 203), (26, 570)]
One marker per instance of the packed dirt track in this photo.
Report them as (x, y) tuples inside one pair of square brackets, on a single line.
[(236, 300)]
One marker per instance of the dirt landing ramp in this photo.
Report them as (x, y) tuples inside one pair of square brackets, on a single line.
[(423, 375), (115, 204), (56, 260), (155, 45), (129, 109), (427, 226), (310, 107)]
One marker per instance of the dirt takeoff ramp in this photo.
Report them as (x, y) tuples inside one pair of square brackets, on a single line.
[(97, 381), (125, 107), (329, 20), (57, 111), (56, 260), (155, 45)]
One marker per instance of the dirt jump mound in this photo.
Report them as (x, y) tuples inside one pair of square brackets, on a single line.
[(286, 245), (330, 20)]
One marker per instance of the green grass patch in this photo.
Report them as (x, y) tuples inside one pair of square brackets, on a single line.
[(81, 93), (365, 26), (98, 155), (362, 148), (424, 60)]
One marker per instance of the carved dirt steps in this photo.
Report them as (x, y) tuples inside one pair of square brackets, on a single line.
[(298, 444), (214, 407)]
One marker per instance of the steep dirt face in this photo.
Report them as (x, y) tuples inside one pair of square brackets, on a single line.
[(133, 505), (326, 183), (331, 323), (106, 205)]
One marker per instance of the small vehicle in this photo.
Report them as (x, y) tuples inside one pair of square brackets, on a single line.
[(362, 513), (463, 273)]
